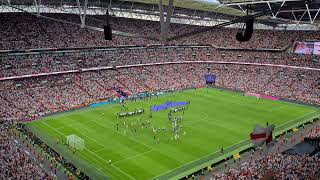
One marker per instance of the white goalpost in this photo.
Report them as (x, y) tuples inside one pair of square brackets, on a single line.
[(75, 142)]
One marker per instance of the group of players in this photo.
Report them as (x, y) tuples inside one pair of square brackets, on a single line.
[(173, 130)]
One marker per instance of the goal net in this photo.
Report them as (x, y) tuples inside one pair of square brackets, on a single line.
[(75, 142)]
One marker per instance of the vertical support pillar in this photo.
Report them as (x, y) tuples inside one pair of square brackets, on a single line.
[(168, 18), (162, 24), (109, 7), (82, 13), (165, 24), (37, 4), (85, 7)]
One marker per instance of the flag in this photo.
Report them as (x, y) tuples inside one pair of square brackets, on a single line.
[(260, 135)]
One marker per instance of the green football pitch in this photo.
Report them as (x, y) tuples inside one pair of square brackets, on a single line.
[(213, 119)]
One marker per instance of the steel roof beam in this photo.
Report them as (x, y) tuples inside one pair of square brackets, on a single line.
[(298, 10), (255, 2), (302, 16), (309, 13), (316, 15), (280, 7), (239, 20), (241, 8), (271, 10), (294, 16)]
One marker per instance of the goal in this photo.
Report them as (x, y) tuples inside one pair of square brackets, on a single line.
[(75, 142)]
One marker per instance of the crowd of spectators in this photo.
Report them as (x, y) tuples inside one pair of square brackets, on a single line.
[(277, 166), (28, 98), (314, 133), (15, 163), (31, 97), (16, 66), (24, 31)]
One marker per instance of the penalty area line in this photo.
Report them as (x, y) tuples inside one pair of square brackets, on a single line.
[(108, 163), (131, 157), (93, 153)]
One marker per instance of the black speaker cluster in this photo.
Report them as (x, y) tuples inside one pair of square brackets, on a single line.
[(107, 32), (107, 29), (246, 34)]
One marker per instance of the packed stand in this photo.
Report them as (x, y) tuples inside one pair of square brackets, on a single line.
[(17, 66), (23, 31), (281, 166), (314, 133), (15, 163), (33, 97), (30, 98)]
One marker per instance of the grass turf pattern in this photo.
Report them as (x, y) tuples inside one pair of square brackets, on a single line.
[(214, 119)]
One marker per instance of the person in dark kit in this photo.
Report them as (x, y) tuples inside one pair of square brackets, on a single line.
[(117, 126)]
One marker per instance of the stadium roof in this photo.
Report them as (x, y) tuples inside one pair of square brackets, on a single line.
[(282, 14), (281, 11), (201, 5)]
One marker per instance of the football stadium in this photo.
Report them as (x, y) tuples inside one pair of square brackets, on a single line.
[(159, 89)]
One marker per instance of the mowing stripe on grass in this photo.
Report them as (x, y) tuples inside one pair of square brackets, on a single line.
[(104, 146), (195, 160), (136, 141), (214, 119), (228, 147), (91, 152), (132, 157)]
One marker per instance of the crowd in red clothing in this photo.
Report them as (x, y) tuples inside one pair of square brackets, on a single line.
[(24, 31), (47, 94), (280, 166), (15, 163), (314, 133), (14, 66), (32, 97), (277, 165), (29, 98)]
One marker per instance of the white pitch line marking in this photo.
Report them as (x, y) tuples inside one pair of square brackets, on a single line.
[(141, 143), (225, 148), (131, 157), (98, 150), (93, 153)]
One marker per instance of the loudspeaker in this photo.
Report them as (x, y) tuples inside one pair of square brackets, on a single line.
[(245, 35), (107, 32)]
